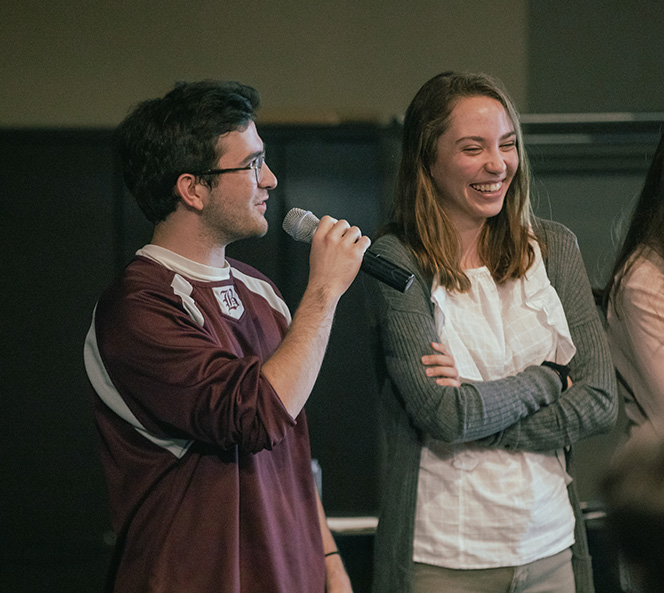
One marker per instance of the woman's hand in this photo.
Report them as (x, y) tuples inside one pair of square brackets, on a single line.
[(441, 366)]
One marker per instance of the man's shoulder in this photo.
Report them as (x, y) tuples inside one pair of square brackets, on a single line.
[(248, 271), (139, 274), (258, 284), (141, 281)]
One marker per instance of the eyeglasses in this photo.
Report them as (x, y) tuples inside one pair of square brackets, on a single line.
[(256, 165)]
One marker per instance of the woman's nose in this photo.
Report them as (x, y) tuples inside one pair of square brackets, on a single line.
[(495, 162)]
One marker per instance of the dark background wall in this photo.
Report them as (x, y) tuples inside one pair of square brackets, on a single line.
[(332, 79), (59, 245), (594, 57), (76, 62)]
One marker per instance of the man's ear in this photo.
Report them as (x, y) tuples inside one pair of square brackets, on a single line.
[(191, 192)]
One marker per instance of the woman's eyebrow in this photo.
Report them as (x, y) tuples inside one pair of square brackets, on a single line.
[(481, 138)]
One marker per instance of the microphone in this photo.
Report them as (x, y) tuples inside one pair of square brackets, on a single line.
[(302, 224)]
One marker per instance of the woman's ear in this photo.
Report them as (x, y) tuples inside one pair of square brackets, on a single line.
[(191, 191)]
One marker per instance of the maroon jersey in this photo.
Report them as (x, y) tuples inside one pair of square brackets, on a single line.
[(209, 476)]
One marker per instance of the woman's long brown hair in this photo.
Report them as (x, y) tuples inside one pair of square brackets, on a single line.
[(418, 217)]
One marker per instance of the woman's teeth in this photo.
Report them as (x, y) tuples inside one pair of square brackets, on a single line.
[(486, 187)]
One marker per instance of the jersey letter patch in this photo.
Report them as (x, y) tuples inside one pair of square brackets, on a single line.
[(229, 302)]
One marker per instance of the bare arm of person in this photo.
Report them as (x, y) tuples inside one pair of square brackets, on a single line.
[(337, 580), (336, 255)]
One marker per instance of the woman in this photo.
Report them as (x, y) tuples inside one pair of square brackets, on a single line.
[(635, 311), (479, 410)]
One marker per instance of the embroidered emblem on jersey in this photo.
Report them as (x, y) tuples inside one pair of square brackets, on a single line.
[(229, 301)]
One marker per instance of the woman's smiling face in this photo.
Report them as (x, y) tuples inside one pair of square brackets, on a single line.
[(476, 161)]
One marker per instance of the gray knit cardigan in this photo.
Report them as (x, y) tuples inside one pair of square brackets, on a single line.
[(528, 411)]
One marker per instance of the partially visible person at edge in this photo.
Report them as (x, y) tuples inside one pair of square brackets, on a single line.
[(494, 362), (634, 303), (633, 492), (199, 372)]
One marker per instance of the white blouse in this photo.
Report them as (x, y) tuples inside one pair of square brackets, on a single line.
[(486, 508)]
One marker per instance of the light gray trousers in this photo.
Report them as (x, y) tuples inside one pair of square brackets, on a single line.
[(548, 575)]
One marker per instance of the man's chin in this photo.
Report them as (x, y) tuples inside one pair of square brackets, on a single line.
[(258, 234), (263, 231), (255, 233)]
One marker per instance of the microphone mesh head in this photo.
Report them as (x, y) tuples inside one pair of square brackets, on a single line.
[(300, 224)]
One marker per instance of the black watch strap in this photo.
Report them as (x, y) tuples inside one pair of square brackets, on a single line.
[(561, 369)]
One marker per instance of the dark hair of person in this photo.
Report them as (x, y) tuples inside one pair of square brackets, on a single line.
[(178, 133), (417, 216), (646, 227)]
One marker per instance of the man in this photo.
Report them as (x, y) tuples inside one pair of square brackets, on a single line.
[(200, 375)]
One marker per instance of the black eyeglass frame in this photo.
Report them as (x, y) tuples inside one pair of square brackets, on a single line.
[(256, 166)]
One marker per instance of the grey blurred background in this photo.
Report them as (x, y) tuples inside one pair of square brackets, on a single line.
[(335, 79)]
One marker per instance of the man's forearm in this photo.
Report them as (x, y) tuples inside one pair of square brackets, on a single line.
[(292, 370)]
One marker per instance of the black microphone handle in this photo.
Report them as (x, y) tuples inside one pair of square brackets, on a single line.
[(302, 224), (384, 270)]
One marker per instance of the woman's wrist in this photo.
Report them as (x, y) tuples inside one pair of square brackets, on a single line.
[(562, 370)]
